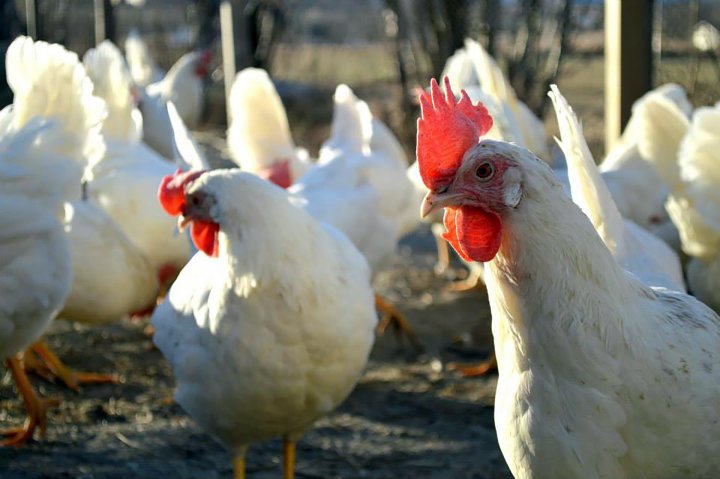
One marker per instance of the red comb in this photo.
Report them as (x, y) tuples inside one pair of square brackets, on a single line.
[(171, 192), (446, 130)]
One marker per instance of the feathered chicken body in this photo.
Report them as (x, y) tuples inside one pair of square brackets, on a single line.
[(269, 327), (693, 204), (47, 136), (111, 276), (259, 134), (124, 183), (143, 68), (601, 376), (634, 248), (632, 174), (183, 85), (361, 190)]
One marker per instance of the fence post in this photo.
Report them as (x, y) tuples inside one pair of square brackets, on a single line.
[(104, 21), (628, 61), (227, 35), (31, 18)]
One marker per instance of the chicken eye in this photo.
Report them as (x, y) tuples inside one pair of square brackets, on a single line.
[(195, 201), (484, 171)]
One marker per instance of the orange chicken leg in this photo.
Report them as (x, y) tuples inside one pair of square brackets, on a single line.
[(71, 379), (288, 458), (390, 315), (35, 405)]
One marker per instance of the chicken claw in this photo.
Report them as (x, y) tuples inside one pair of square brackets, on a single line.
[(35, 405), (391, 315), (476, 370), (72, 379)]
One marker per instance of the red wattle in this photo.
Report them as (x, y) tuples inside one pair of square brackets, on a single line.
[(205, 236), (473, 232)]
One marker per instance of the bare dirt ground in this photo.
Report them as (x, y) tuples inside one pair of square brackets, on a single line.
[(408, 417)]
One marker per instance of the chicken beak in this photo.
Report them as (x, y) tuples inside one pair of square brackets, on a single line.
[(434, 201)]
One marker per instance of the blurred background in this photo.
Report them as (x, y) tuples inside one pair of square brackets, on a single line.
[(384, 48)]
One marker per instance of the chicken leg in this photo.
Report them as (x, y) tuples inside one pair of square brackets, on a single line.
[(391, 315), (36, 407), (71, 379), (443, 250), (288, 458), (468, 284), (238, 464), (475, 370)]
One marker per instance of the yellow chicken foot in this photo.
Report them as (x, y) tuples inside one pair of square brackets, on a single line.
[(476, 370), (238, 464), (36, 407), (288, 458), (390, 315), (72, 379)]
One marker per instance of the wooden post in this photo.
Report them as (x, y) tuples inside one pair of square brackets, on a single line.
[(227, 36), (31, 19), (628, 61), (104, 21)]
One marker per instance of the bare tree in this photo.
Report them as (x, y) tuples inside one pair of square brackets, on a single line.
[(534, 66)]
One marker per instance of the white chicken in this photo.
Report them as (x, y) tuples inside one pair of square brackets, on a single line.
[(634, 248), (124, 183), (269, 327), (630, 173), (364, 193), (601, 376), (691, 172), (43, 134), (143, 68), (183, 85), (259, 135)]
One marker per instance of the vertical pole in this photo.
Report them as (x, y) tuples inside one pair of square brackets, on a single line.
[(227, 36), (31, 19), (628, 61), (104, 21)]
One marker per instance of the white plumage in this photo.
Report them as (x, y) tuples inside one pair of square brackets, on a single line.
[(47, 136), (693, 204), (472, 66), (35, 266), (631, 170), (124, 183), (600, 376), (274, 332), (634, 248), (259, 133), (143, 68), (364, 192), (111, 276), (183, 85)]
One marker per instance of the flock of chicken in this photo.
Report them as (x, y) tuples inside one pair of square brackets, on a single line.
[(607, 367)]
